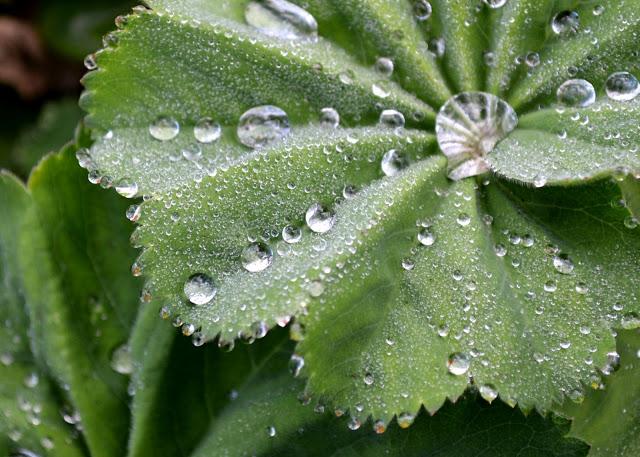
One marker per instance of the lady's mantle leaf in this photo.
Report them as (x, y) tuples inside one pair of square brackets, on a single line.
[(31, 418), (412, 281), (609, 419), (81, 296), (558, 146)]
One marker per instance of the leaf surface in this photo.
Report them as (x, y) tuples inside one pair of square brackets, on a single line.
[(30, 410), (609, 419), (417, 272), (82, 297)]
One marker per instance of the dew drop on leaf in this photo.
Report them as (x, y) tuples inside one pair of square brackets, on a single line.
[(426, 237), (256, 257), (576, 93), (121, 360), (488, 392), (127, 188), (565, 22), (384, 66), (354, 424), (296, 363), (393, 163), (380, 89), (468, 127), (563, 264), (271, 431), (622, 86), (422, 10), (392, 118), (262, 126), (319, 219), (458, 363), (90, 62), (200, 289), (291, 234), (463, 219), (405, 420), (329, 117), (532, 59), (281, 19), (495, 3), (207, 131), (164, 128)]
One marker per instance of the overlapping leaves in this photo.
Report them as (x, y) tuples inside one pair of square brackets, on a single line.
[(418, 272)]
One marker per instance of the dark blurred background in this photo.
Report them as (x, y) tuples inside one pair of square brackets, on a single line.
[(43, 44)]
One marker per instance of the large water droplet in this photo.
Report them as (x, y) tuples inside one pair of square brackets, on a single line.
[(458, 363), (164, 128), (281, 19), (263, 125), (207, 131), (318, 219), (468, 127), (200, 289), (256, 257), (565, 22), (622, 86), (576, 93)]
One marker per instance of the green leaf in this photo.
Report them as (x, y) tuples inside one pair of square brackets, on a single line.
[(82, 298), (609, 419), (232, 404), (30, 416), (568, 146), (529, 299), (604, 43)]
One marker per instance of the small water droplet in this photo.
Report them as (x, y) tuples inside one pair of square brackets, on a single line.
[(565, 22), (368, 379), (488, 392), (122, 360), (200, 289), (207, 131), (291, 234), (271, 431), (127, 188), (354, 424), (422, 10), (458, 363), (576, 93), (495, 3), (563, 264), (281, 19), (329, 117), (426, 237), (384, 66), (90, 62), (256, 257), (392, 119), (622, 86), (463, 219), (164, 128), (262, 126), (319, 219), (393, 163), (405, 420), (296, 363)]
